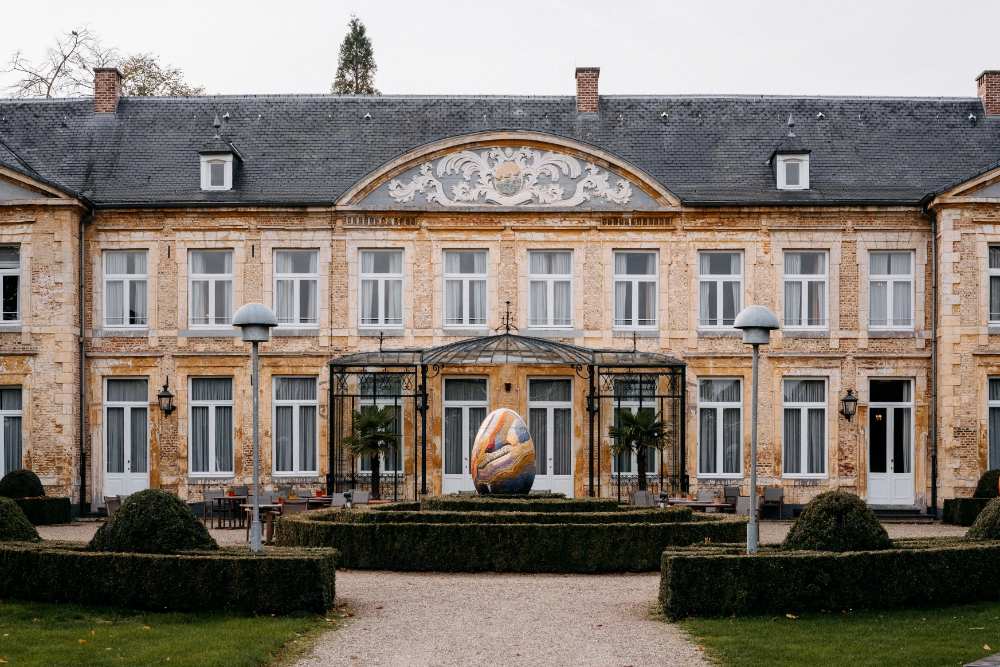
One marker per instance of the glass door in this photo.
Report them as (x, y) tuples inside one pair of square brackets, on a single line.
[(465, 408), (126, 436), (890, 443), (550, 422)]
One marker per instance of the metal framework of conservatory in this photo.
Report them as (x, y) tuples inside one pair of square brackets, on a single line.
[(617, 379)]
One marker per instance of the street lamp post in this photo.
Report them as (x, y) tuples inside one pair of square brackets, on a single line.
[(757, 323), (255, 321)]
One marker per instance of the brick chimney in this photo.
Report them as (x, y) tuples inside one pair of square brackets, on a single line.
[(988, 89), (107, 89), (586, 89)]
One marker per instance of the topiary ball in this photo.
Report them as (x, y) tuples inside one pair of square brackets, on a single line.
[(14, 525), (153, 522), (21, 484), (987, 487), (837, 521), (987, 524)]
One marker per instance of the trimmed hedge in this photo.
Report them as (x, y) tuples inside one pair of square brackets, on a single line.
[(988, 485), (962, 511), (46, 510), (669, 515), (404, 506), (21, 483), (723, 582), (503, 547), (987, 525), (154, 522), (514, 504), (282, 581), (14, 526), (837, 521)]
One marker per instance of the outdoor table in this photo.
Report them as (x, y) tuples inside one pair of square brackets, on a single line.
[(229, 506), (318, 501), (267, 514), (700, 504)]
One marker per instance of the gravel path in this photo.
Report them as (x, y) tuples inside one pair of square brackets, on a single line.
[(415, 619)]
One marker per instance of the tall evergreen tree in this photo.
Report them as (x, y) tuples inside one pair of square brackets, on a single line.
[(356, 66)]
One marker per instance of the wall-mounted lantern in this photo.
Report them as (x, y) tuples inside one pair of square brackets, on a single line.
[(849, 405), (166, 398)]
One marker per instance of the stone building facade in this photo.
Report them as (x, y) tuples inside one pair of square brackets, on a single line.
[(395, 226)]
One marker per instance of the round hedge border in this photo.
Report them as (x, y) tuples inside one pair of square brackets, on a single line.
[(518, 504)]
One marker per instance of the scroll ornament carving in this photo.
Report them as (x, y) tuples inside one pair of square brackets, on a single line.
[(511, 177)]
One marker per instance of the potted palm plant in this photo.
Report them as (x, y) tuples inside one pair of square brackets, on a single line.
[(374, 436), (638, 431)]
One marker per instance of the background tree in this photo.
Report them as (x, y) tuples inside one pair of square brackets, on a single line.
[(374, 436), (67, 69), (356, 66), (639, 431)]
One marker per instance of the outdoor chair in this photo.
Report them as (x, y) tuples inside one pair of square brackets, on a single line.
[(294, 507), (707, 496), (112, 503), (212, 514), (774, 496), (730, 496), (338, 500), (360, 498), (743, 506), (241, 490), (642, 499)]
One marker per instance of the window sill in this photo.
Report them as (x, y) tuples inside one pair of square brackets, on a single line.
[(639, 333), (228, 332), (892, 333), (568, 332), (293, 331), (465, 331), (120, 333), (304, 477), (719, 333), (10, 328), (721, 477), (394, 332), (805, 478), (805, 333), (993, 329), (210, 479)]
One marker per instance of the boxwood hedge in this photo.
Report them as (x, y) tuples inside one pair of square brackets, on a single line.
[(725, 582), (962, 511), (503, 547), (46, 510), (282, 581), (669, 515), (514, 504)]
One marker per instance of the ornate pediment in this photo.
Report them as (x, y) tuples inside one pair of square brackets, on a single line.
[(510, 176)]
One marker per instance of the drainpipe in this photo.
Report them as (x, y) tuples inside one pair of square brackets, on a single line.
[(84, 505), (934, 368)]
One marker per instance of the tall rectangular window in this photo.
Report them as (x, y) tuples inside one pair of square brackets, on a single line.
[(805, 289), (993, 405), (635, 289), (550, 286), (125, 289), (464, 288), (295, 410), (994, 278), (720, 288), (720, 428), (634, 395), (804, 427), (10, 429), (385, 390), (296, 287), (211, 426), (10, 282), (381, 288), (550, 422), (210, 284), (890, 280)]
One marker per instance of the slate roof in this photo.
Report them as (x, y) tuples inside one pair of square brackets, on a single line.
[(308, 149)]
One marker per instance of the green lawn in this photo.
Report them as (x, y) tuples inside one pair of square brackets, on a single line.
[(50, 634), (944, 636)]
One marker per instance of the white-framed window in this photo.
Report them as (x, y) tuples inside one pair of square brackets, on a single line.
[(550, 422), (993, 274), (720, 427), (11, 437), (805, 289), (550, 288), (804, 427), (296, 287), (720, 288), (126, 425), (793, 172), (636, 287), (464, 288), (381, 288), (10, 283), (385, 390), (210, 285), (993, 408), (890, 289), (465, 408), (211, 448), (217, 172), (295, 424), (634, 395), (126, 301)]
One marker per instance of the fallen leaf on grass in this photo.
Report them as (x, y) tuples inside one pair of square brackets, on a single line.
[(791, 616), (82, 641), (146, 627), (977, 628), (986, 647)]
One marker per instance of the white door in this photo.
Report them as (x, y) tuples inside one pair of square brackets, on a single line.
[(126, 436), (465, 408), (550, 422), (890, 443)]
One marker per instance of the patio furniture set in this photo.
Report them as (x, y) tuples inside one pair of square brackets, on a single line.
[(708, 500)]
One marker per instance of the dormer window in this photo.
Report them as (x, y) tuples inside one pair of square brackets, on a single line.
[(792, 172), (217, 172)]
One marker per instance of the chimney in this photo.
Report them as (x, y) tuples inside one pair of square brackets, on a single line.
[(107, 89), (586, 89), (988, 89)]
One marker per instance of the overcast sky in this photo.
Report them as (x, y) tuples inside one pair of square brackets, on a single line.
[(873, 47)]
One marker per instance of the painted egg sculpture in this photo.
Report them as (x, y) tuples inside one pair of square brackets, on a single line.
[(503, 455)]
